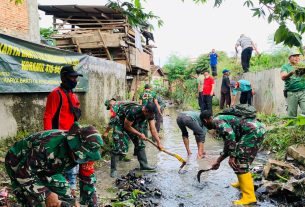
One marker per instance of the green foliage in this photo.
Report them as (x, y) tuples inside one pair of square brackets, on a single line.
[(202, 62), (177, 68), (127, 203), (185, 94), (6, 143), (298, 121), (135, 14), (47, 32), (17, 1), (280, 138), (267, 119)]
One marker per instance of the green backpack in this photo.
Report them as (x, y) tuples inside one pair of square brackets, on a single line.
[(240, 110)]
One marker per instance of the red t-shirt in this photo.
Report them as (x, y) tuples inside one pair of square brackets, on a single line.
[(207, 85)]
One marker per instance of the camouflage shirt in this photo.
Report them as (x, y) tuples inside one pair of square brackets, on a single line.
[(38, 157), (148, 96), (232, 129), (161, 102)]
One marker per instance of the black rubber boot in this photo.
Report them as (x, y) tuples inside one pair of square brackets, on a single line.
[(113, 172), (143, 161)]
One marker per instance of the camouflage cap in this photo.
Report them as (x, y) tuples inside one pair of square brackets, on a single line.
[(85, 142), (107, 104)]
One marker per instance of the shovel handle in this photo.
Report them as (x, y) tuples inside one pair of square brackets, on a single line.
[(167, 152)]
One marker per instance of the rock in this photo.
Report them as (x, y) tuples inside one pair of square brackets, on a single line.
[(271, 187), (273, 167), (297, 152)]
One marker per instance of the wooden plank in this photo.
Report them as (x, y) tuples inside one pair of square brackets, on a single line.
[(94, 20), (139, 59), (90, 23), (107, 51), (91, 28)]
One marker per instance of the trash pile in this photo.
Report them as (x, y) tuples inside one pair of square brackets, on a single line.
[(282, 183), (135, 189)]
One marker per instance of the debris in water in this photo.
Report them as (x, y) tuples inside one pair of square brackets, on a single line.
[(135, 190)]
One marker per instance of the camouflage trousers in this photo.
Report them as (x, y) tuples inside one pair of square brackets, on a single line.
[(57, 184), (120, 139), (246, 150)]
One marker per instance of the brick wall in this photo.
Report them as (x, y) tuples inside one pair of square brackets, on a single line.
[(14, 19)]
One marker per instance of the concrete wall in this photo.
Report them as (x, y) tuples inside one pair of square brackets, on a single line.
[(21, 20), (269, 88), (25, 111)]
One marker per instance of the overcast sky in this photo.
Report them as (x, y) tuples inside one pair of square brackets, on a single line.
[(192, 29)]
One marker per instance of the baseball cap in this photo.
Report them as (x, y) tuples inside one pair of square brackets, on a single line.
[(294, 52), (85, 143), (225, 71), (69, 71), (107, 103), (147, 86)]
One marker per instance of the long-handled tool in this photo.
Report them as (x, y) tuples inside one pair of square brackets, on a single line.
[(201, 171), (178, 157)]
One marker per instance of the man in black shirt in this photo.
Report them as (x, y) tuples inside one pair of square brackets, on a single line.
[(225, 89)]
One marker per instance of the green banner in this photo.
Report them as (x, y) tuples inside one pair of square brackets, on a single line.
[(29, 67)]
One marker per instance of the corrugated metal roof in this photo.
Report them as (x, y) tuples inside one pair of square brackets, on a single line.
[(65, 11)]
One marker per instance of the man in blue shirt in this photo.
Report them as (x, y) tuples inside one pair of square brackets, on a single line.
[(213, 62), (247, 91)]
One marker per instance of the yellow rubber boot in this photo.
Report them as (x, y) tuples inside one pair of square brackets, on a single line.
[(247, 189), (235, 185)]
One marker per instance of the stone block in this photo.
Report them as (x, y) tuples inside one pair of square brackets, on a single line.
[(297, 152)]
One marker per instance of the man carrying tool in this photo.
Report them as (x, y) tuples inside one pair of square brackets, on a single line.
[(242, 135), (191, 119), (130, 124), (36, 166)]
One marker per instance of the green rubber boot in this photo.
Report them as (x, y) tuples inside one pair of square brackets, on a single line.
[(113, 172), (143, 161)]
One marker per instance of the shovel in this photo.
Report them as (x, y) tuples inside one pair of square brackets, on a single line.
[(178, 157), (201, 171)]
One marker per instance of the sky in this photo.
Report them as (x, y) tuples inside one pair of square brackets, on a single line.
[(192, 29)]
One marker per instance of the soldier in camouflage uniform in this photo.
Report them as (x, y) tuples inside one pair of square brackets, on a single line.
[(129, 123), (147, 96), (36, 166), (242, 139), (159, 117)]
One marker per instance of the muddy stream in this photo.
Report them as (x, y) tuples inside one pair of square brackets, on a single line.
[(182, 189)]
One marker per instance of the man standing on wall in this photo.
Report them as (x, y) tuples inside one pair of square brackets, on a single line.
[(294, 85), (225, 93), (208, 91), (247, 46), (200, 81), (213, 62), (62, 110)]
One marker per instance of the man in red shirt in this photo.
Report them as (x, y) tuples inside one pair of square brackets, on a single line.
[(208, 91), (62, 110)]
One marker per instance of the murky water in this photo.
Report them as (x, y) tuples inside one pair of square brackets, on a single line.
[(184, 189)]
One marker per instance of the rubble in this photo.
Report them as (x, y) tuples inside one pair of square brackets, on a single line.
[(135, 189), (281, 182)]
